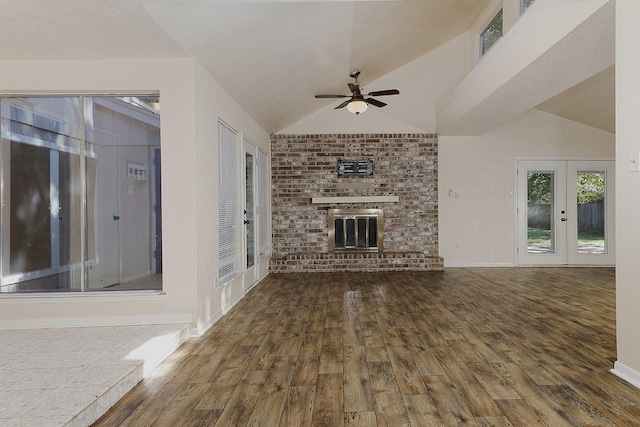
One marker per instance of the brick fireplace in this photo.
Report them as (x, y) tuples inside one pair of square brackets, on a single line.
[(400, 178)]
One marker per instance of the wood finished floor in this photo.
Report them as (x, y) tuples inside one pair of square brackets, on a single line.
[(475, 347)]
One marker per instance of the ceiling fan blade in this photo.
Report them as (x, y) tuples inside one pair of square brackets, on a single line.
[(344, 104), (375, 102), (354, 88), (333, 96), (384, 92)]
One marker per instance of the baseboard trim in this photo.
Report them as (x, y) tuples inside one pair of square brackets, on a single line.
[(80, 322), (478, 264), (229, 304), (203, 327), (626, 373)]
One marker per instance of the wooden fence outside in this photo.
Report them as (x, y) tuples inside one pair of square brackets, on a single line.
[(591, 217)]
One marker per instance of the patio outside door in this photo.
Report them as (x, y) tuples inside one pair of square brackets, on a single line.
[(565, 212), (249, 218)]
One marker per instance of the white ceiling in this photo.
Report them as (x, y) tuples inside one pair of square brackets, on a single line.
[(271, 56), (591, 102)]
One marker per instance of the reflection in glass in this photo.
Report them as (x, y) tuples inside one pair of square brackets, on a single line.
[(41, 194), (339, 233), (373, 231), (48, 225), (123, 196), (540, 213), (362, 232), (351, 233)]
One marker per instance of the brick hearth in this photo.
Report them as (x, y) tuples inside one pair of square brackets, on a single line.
[(357, 261)]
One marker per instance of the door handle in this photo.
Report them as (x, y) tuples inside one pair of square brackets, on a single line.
[(246, 221), (116, 217), (563, 219)]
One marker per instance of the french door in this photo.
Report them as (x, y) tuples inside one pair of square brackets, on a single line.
[(565, 212), (249, 217)]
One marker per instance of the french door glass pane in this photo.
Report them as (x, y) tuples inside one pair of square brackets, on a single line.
[(263, 216), (540, 212), (591, 212), (250, 210)]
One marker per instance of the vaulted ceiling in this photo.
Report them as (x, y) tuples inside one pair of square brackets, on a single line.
[(271, 56)]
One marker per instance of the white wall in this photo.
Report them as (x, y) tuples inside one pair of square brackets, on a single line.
[(479, 217), (191, 102), (214, 103), (627, 190)]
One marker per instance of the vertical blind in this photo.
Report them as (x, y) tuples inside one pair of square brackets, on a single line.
[(229, 247), (264, 243)]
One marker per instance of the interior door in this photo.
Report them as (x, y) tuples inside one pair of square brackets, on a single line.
[(249, 200), (565, 212)]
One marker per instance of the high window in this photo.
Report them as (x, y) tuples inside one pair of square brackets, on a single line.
[(491, 34), (80, 193), (524, 5)]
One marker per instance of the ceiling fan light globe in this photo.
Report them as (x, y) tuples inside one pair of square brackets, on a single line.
[(357, 107)]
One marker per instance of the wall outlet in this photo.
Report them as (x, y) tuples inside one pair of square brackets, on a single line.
[(634, 162)]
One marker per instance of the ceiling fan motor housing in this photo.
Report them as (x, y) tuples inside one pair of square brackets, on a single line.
[(357, 98)]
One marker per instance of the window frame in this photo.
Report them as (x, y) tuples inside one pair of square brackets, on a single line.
[(523, 7), (499, 15), (264, 211)]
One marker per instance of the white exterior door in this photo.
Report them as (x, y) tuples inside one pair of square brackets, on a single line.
[(565, 212), (250, 257)]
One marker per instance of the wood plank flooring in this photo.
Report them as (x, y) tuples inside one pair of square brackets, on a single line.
[(473, 347)]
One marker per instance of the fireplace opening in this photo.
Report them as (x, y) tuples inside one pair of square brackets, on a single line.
[(356, 230)]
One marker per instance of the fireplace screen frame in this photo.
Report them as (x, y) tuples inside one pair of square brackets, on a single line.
[(360, 217)]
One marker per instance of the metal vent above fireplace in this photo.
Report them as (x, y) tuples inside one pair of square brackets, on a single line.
[(355, 230)]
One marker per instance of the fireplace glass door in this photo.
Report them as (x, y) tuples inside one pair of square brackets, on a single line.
[(357, 230)]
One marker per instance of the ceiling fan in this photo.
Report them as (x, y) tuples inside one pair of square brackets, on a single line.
[(357, 102)]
